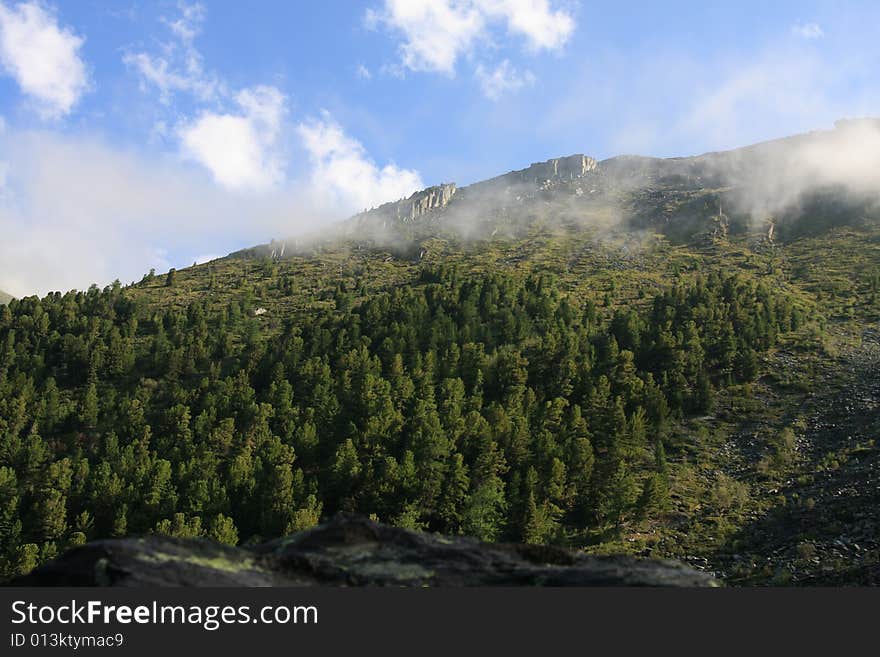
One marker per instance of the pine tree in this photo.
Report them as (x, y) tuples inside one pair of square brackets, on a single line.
[(222, 530), (619, 497), (51, 511), (453, 495), (27, 557), (88, 409), (483, 514)]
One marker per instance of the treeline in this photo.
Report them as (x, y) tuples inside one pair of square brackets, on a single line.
[(486, 405)]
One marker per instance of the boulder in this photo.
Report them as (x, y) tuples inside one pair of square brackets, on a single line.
[(350, 551)]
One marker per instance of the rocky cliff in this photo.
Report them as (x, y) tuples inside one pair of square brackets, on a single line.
[(349, 551), (562, 168), (537, 176), (409, 209)]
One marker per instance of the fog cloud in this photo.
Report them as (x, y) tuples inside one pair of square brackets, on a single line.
[(778, 177)]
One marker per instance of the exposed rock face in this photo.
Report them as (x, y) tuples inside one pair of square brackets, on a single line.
[(426, 200), (349, 551), (536, 176), (561, 169), (410, 209)]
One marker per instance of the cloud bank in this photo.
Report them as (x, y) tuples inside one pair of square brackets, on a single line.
[(77, 211), (782, 177)]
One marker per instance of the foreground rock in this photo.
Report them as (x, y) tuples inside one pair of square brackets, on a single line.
[(349, 551)]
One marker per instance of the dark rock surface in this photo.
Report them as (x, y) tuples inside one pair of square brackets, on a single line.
[(349, 551)]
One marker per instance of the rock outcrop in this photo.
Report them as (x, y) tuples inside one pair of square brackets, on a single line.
[(539, 174), (410, 209), (425, 201), (349, 551), (562, 168)]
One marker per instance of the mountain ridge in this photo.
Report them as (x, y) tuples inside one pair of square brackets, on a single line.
[(579, 164), (766, 188)]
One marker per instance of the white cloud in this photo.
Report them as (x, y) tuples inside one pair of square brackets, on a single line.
[(436, 33), (846, 159), (502, 80), (808, 30), (542, 27), (344, 176), (179, 67), (239, 142), (161, 73), (241, 150), (43, 57), (188, 25), (240, 139)]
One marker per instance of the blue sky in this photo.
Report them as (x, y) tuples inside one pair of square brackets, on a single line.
[(152, 134)]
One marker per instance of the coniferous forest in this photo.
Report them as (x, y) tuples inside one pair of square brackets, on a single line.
[(497, 405)]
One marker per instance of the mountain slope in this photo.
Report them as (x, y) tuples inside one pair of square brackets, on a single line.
[(5, 298), (590, 354)]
